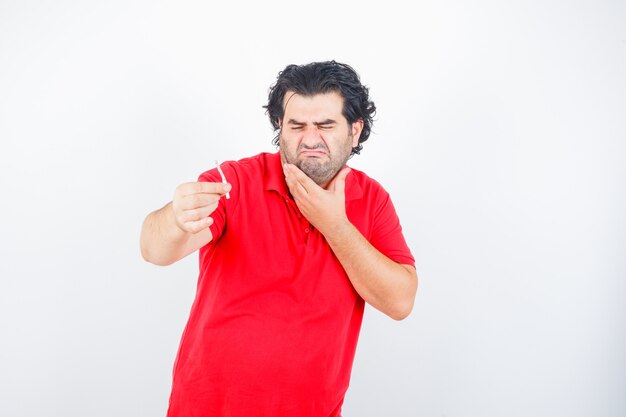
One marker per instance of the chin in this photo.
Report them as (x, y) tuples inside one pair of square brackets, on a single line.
[(318, 174)]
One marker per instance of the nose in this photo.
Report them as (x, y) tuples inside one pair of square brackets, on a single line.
[(312, 138)]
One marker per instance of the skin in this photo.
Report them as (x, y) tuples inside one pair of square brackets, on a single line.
[(315, 143), (309, 143), (181, 227), (315, 136)]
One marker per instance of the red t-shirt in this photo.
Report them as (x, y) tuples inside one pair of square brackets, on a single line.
[(275, 323)]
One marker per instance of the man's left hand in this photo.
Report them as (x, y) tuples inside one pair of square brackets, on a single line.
[(325, 209)]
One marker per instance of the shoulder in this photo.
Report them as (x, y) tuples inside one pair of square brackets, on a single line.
[(250, 163), (365, 187), (367, 204), (249, 167), (253, 165)]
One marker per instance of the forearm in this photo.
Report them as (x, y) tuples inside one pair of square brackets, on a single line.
[(386, 285), (162, 241)]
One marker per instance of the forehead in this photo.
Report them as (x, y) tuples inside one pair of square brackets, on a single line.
[(326, 106)]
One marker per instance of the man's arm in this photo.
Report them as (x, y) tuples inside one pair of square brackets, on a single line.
[(386, 285), (182, 226)]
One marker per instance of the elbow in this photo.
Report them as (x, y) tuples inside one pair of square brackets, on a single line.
[(404, 306), (155, 260), (402, 311), (144, 253)]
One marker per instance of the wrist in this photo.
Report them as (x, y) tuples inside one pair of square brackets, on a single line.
[(176, 231), (336, 229)]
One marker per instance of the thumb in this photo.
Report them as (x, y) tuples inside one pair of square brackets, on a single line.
[(339, 182)]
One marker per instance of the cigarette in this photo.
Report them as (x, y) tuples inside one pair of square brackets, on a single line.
[(223, 177)]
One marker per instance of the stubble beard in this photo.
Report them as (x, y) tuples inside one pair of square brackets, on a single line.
[(320, 172)]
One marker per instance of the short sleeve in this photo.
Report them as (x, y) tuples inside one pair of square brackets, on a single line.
[(387, 234), (220, 215)]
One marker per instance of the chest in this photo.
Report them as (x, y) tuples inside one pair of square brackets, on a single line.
[(277, 252)]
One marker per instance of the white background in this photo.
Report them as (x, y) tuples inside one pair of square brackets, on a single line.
[(500, 135)]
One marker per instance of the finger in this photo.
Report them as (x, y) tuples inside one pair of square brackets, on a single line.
[(205, 187), (338, 184), (295, 187), (195, 201), (197, 226), (307, 183), (298, 191), (198, 214)]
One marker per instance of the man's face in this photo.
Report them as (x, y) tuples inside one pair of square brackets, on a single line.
[(315, 136)]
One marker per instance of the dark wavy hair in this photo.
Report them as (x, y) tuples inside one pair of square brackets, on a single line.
[(320, 78)]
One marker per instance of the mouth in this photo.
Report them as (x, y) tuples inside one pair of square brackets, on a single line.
[(312, 153)]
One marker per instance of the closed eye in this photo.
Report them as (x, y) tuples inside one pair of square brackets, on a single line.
[(326, 124)]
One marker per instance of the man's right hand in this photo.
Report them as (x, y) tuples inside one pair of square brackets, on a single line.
[(194, 202)]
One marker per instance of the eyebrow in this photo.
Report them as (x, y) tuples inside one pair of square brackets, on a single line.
[(322, 123)]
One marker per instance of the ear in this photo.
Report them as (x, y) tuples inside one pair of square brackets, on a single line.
[(357, 128)]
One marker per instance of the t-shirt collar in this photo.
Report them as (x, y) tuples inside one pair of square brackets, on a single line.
[(275, 179)]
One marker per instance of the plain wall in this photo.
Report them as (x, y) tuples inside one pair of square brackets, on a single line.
[(500, 135)]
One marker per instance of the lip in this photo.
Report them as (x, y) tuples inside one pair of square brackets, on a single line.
[(313, 153)]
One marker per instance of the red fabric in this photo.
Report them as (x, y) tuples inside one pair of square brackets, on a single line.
[(275, 323)]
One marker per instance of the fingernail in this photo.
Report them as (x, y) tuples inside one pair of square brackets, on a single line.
[(227, 187)]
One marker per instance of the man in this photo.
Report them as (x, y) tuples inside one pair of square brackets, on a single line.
[(287, 258)]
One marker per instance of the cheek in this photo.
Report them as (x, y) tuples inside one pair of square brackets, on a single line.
[(286, 139), (289, 144), (292, 137)]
